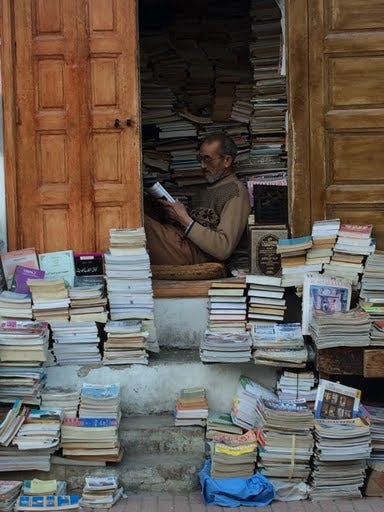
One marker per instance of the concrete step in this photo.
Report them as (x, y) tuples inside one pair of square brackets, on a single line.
[(157, 434)]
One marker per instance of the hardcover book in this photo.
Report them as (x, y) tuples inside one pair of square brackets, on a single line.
[(264, 259), (89, 264)]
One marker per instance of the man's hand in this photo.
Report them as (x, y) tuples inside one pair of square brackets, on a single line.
[(176, 211)]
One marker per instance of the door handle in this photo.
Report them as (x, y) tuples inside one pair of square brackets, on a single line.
[(117, 123)]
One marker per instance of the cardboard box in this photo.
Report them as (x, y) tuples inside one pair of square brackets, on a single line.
[(263, 242)]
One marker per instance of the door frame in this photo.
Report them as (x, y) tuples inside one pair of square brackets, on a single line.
[(299, 178)]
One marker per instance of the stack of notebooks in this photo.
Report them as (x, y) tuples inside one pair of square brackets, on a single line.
[(349, 329), (50, 299), (65, 400), (16, 306), (226, 347), (75, 342), (297, 386), (22, 382), (93, 436), (88, 301), (324, 235), (101, 492), (126, 343), (294, 263), (9, 492), (377, 432), (279, 345), (221, 422), (265, 299), (353, 244), (227, 306), (288, 441), (191, 407), (23, 343), (40, 431), (372, 286)]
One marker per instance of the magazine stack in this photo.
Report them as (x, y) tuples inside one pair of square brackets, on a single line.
[(221, 422), (372, 286), (377, 433), (101, 492), (39, 431), (75, 342), (49, 502), (266, 300), (9, 492), (88, 301), (226, 347), (297, 385), (324, 236), (50, 299), (191, 407), (294, 264), (279, 345), (377, 333), (126, 343), (15, 306), (227, 306), (65, 400)]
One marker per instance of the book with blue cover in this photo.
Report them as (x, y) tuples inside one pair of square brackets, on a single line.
[(100, 391), (50, 502)]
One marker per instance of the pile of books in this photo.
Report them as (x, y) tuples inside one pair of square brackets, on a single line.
[(13, 459), (39, 431), (266, 300), (126, 343), (349, 329), (297, 386), (226, 347), (377, 333), (22, 382), (287, 439), (279, 345), (9, 492), (88, 301), (324, 236), (38, 487), (48, 502), (65, 400), (50, 299), (75, 342), (101, 492), (372, 286), (376, 414), (294, 263), (17, 306), (221, 422), (227, 306), (191, 407), (23, 343)]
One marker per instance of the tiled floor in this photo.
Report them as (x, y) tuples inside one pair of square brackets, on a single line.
[(194, 503)]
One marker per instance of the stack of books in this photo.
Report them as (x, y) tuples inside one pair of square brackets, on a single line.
[(221, 422), (22, 382), (233, 455), (226, 347), (17, 306), (288, 441), (376, 333), (191, 407), (372, 286), (88, 301), (279, 345), (38, 487), (353, 244), (349, 329), (40, 431), (101, 492), (242, 108), (23, 343), (65, 400), (9, 492), (297, 386), (227, 306), (13, 459), (266, 300), (324, 236), (48, 502), (75, 342), (50, 299), (294, 264), (376, 414), (126, 343)]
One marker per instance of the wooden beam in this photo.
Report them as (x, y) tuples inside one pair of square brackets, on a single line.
[(175, 289)]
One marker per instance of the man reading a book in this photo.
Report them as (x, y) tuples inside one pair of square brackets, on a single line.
[(212, 231)]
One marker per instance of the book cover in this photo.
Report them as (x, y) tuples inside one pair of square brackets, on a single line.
[(264, 258), (89, 264), (10, 260), (58, 265), (355, 230), (336, 401), (20, 277)]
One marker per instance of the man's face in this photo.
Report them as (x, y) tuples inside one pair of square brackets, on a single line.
[(213, 164)]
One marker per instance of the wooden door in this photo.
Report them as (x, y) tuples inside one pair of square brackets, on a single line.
[(346, 104), (77, 169)]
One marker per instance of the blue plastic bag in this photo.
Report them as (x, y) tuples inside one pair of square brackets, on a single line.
[(256, 491)]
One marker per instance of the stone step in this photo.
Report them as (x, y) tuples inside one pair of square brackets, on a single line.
[(154, 434)]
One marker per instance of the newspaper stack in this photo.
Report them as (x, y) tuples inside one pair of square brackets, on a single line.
[(15, 306), (226, 347), (288, 441), (88, 301), (279, 345), (265, 299), (50, 299), (191, 407), (9, 492), (372, 286), (324, 236), (22, 382), (296, 386), (243, 412), (227, 306), (221, 422), (377, 433), (126, 343), (101, 492), (233, 455), (65, 400), (349, 329), (129, 284), (75, 342), (40, 430), (23, 343)]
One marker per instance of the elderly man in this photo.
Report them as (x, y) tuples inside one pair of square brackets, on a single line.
[(212, 231)]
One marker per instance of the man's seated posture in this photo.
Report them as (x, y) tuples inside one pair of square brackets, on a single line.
[(212, 231)]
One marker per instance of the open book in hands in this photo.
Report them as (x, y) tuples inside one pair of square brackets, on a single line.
[(157, 191)]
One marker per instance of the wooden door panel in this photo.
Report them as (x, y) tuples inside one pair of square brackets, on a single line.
[(346, 77)]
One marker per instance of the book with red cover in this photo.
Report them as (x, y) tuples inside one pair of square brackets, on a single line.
[(355, 231)]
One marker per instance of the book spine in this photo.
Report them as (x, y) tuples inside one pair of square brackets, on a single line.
[(90, 422)]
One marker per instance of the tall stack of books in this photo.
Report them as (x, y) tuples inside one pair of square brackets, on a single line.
[(226, 347), (75, 342), (9, 492), (294, 263), (126, 343), (50, 299), (15, 306), (64, 399), (101, 492), (279, 345), (191, 407), (297, 385), (372, 286), (88, 301), (233, 455), (324, 236), (265, 299), (227, 306)]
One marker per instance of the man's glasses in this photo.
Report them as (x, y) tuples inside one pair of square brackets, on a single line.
[(207, 159)]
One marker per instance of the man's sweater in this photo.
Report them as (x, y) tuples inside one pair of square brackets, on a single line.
[(224, 212)]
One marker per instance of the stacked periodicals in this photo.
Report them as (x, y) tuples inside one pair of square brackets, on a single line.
[(324, 235), (297, 385), (233, 455), (266, 300), (50, 299), (9, 492), (377, 333), (372, 286), (349, 329), (88, 301), (376, 414), (39, 431), (75, 342), (64, 399), (101, 492), (191, 407), (226, 347), (47, 502), (22, 382), (294, 264), (15, 305), (227, 306), (23, 343), (126, 343), (279, 345), (221, 422), (287, 439)]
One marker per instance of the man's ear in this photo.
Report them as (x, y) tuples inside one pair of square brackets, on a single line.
[(228, 161)]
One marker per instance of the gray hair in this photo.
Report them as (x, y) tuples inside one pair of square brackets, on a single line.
[(227, 146)]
